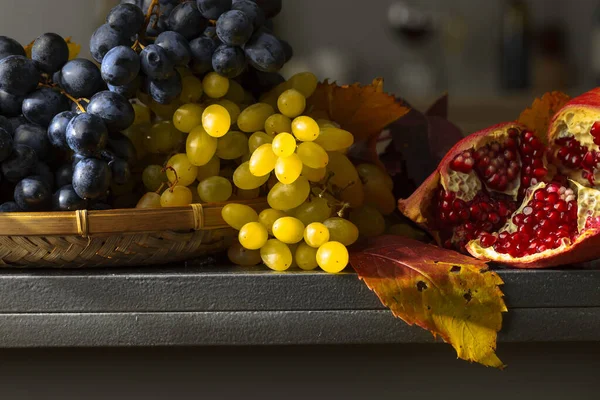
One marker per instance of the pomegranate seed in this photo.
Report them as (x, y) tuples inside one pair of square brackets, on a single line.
[(552, 198), (595, 132), (503, 235), (527, 211), (475, 210), (446, 206), (541, 248), (513, 132), (589, 160), (458, 204), (488, 240), (539, 215), (553, 188), (540, 172), (464, 214), (493, 218), (525, 180), (539, 195), (561, 206), (518, 219)]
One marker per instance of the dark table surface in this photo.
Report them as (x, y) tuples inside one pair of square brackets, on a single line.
[(225, 305)]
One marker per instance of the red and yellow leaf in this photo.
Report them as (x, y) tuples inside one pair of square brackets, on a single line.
[(449, 294), (362, 110), (538, 116)]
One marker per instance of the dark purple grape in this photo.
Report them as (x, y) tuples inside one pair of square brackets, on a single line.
[(32, 194), (229, 61), (63, 175), (51, 52), (122, 147), (43, 171), (81, 78), (265, 52), (177, 47), (66, 199), (252, 10), (10, 47), (128, 91), (202, 53), (10, 104), (187, 20), (156, 63), (106, 38), (41, 105), (126, 18), (91, 178), (120, 66), (212, 9), (35, 137), (120, 171), (18, 75), (10, 206), (86, 134), (234, 28), (58, 129), (114, 109), (6, 144), (164, 91)]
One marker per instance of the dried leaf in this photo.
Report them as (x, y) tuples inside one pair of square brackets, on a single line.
[(74, 49), (362, 110), (449, 294), (538, 116), (439, 108)]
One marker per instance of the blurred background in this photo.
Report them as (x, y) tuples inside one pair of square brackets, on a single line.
[(491, 56)]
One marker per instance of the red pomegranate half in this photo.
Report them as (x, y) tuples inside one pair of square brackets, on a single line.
[(574, 139), (478, 185)]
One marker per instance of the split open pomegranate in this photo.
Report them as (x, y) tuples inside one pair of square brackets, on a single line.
[(494, 197), (478, 185)]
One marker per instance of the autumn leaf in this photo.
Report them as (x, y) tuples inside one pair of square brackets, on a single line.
[(449, 294), (74, 49), (362, 110), (538, 116)]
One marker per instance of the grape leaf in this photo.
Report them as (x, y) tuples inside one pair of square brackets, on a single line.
[(362, 110), (74, 49), (538, 116), (449, 294)]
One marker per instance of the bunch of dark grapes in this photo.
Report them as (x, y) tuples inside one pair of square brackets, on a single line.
[(65, 124)]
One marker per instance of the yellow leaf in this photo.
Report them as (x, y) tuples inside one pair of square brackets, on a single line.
[(362, 110), (28, 49), (537, 117), (74, 48), (449, 294)]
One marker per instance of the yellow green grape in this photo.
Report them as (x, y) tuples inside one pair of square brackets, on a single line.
[(231, 146), (288, 169), (187, 117), (380, 196), (332, 257), (257, 139), (244, 179), (216, 120), (306, 257), (371, 172), (305, 129), (291, 103), (181, 171), (314, 174), (276, 255), (313, 210), (263, 160), (215, 189), (238, 215), (284, 145), (253, 118), (164, 111), (341, 230), (285, 197), (316, 234), (253, 235), (249, 194), (278, 123), (232, 108), (334, 139), (345, 180), (238, 255), (142, 114), (149, 200), (313, 155), (211, 168), (200, 146), (192, 90), (215, 85), (235, 92), (268, 216), (304, 82), (154, 177), (288, 230), (162, 138), (368, 220), (177, 196)]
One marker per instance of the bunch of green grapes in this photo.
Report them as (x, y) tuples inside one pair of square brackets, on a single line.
[(282, 241)]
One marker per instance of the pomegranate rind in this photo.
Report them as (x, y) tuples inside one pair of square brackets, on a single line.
[(586, 246), (418, 207), (575, 119)]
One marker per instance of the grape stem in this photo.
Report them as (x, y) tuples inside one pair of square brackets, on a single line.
[(160, 188), (68, 96), (168, 167)]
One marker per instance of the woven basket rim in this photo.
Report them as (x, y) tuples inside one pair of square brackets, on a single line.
[(119, 221)]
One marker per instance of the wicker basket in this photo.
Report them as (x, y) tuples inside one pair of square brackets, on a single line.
[(115, 237)]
